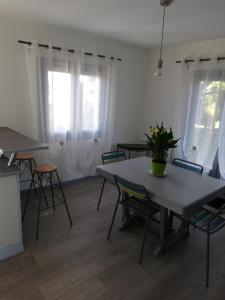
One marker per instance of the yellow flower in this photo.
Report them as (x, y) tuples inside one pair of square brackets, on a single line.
[(156, 130)]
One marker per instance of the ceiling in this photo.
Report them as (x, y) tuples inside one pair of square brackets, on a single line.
[(133, 21)]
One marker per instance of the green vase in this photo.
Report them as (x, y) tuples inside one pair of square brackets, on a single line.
[(158, 169)]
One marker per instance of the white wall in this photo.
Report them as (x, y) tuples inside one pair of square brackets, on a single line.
[(165, 101), (14, 102)]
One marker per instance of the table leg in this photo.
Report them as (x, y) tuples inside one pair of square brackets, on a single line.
[(127, 218), (169, 237), (163, 231)]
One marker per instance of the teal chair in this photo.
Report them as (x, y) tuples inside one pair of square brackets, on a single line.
[(188, 165), (108, 158), (207, 220), (185, 164), (134, 198)]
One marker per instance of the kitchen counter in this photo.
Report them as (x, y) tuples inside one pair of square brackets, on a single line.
[(11, 141), (8, 171)]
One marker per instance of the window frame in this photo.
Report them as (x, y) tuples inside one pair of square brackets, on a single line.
[(59, 66)]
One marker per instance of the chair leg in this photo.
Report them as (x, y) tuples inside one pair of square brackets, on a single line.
[(100, 196), (52, 193), (144, 239), (64, 198), (207, 257), (113, 218), (27, 200)]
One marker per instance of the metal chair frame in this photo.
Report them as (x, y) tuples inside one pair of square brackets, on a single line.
[(188, 165), (206, 230), (107, 180), (124, 199), (208, 234)]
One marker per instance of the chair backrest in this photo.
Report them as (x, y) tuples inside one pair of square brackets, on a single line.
[(113, 156), (185, 164), (138, 198)]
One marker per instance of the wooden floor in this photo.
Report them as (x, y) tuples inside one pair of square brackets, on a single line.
[(79, 263)]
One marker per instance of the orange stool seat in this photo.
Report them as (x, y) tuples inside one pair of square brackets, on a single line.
[(24, 156), (45, 168)]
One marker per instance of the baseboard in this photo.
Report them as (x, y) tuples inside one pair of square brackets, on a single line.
[(11, 250)]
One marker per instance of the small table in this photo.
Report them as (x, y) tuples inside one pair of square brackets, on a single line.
[(181, 191), (134, 147)]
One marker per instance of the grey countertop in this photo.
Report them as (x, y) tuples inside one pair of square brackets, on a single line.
[(8, 171), (13, 141)]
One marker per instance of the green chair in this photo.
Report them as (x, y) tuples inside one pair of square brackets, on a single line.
[(135, 198), (185, 164), (209, 222), (107, 158), (188, 165)]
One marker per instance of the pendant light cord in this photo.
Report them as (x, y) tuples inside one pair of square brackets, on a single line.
[(162, 34)]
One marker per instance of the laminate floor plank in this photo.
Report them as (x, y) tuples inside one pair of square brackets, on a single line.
[(78, 263)]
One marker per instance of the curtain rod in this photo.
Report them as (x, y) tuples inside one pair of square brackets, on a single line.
[(201, 60), (69, 50)]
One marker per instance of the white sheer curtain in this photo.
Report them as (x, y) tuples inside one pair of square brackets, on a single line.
[(205, 121), (221, 148), (74, 98)]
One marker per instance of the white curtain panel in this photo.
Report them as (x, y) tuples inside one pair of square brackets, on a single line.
[(73, 98), (205, 120)]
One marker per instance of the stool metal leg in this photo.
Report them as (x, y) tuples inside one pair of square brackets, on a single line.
[(27, 199), (32, 178), (43, 190), (64, 198), (52, 193), (39, 205)]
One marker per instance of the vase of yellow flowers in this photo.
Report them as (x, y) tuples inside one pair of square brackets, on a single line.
[(160, 141)]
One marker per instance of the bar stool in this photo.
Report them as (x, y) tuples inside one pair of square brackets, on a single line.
[(26, 161), (47, 172)]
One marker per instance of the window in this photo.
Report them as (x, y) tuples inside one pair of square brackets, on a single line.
[(90, 89), (59, 87), (204, 120), (61, 105), (211, 99)]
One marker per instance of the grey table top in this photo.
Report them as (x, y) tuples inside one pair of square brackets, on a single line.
[(180, 190), (13, 141)]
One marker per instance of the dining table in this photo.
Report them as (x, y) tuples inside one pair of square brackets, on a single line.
[(180, 191)]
